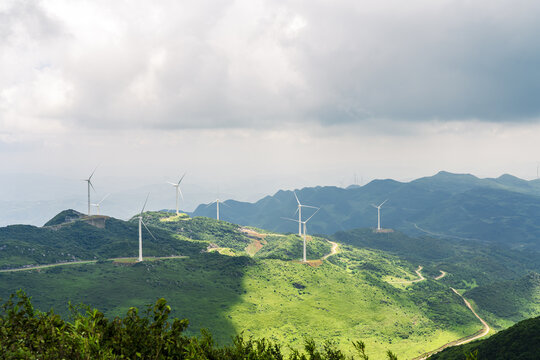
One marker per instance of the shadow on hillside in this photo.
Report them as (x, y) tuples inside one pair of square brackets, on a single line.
[(202, 288)]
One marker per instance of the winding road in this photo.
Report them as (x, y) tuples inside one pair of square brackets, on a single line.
[(443, 274), (483, 332), (420, 278), (334, 250)]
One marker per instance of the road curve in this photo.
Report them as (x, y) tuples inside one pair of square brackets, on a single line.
[(486, 327), (443, 274), (417, 271), (334, 250), (465, 340)]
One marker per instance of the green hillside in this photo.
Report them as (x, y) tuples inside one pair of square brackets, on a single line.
[(281, 300), (84, 238), (511, 300), (267, 293), (520, 342), (468, 263), (239, 279)]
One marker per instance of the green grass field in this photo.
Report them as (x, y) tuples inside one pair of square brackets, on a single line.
[(281, 300)]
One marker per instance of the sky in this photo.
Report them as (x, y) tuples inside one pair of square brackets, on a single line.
[(252, 96)]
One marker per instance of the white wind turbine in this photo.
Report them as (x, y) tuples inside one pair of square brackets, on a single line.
[(178, 191), (99, 203), (299, 210), (141, 222), (379, 213), (89, 181), (305, 229), (217, 202)]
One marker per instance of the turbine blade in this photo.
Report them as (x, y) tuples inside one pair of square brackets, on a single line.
[(295, 220), (145, 203), (148, 229), (182, 178), (376, 207), (223, 203), (173, 184), (308, 206), (106, 196), (180, 191), (92, 174), (92, 186), (383, 202), (298, 201), (311, 215)]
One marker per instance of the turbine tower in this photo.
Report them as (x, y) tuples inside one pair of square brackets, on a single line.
[(89, 181), (141, 222), (379, 213), (217, 202), (299, 210), (300, 222), (178, 191), (99, 203)]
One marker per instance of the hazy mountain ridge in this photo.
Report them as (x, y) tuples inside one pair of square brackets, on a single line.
[(502, 210)]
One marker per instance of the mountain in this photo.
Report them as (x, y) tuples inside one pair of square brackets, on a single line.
[(502, 210), (521, 341)]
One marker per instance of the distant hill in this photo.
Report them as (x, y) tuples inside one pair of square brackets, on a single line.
[(502, 210), (521, 341), (71, 236)]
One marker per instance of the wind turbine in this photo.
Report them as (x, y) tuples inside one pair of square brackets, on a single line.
[(178, 191), (299, 210), (89, 181), (300, 222), (99, 203), (141, 222), (379, 213), (217, 202)]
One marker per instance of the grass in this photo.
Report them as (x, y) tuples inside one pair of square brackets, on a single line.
[(280, 300)]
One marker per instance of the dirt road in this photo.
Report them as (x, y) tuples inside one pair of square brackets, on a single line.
[(420, 278), (443, 274), (483, 332), (44, 266), (334, 250)]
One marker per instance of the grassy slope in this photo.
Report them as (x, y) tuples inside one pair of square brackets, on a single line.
[(506, 302), (282, 300), (469, 266)]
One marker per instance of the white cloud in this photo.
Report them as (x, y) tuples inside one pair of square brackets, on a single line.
[(294, 93)]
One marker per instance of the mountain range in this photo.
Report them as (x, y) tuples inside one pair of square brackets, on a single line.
[(501, 210)]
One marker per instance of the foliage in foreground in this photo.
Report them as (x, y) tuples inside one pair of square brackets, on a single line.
[(29, 334)]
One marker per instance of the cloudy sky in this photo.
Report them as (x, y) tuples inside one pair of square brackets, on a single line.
[(276, 94)]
